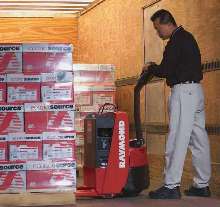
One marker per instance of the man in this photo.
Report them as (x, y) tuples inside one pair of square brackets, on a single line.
[(181, 66)]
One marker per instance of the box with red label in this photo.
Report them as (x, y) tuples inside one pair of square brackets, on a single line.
[(3, 88), (80, 156), (51, 176), (12, 177), (10, 58), (102, 97), (3, 147), (23, 88), (93, 77), (44, 117), (101, 94), (47, 57), (59, 146), (79, 120), (83, 98), (25, 147), (79, 138), (11, 118), (57, 92), (57, 77)]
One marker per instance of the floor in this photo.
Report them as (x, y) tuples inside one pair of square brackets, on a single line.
[(142, 201)]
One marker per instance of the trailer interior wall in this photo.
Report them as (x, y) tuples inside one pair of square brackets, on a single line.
[(47, 30), (113, 32)]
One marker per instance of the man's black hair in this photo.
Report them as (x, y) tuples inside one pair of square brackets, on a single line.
[(164, 16)]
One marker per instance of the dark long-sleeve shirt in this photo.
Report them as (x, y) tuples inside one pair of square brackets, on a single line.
[(181, 59)]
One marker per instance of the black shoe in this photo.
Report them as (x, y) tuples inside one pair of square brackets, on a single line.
[(165, 193), (202, 192)]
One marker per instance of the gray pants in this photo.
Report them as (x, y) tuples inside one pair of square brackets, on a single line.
[(187, 129)]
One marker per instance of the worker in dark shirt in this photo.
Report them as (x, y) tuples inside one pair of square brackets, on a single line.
[(181, 67)]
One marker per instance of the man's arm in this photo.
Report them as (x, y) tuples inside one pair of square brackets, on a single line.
[(168, 63)]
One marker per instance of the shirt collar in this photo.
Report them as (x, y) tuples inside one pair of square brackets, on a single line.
[(174, 31)]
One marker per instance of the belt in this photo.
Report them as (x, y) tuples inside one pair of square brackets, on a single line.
[(188, 82), (185, 82)]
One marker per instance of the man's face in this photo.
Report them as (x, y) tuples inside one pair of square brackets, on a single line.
[(163, 30)]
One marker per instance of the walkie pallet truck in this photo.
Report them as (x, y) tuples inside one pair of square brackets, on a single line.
[(113, 164)]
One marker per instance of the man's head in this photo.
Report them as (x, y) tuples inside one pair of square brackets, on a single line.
[(164, 23)]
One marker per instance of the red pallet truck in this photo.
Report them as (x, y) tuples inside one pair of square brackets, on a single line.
[(113, 164)]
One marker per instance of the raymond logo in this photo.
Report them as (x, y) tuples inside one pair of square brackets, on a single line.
[(121, 144)]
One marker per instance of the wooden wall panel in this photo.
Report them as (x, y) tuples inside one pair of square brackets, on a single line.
[(200, 17), (155, 102), (152, 140), (125, 101), (52, 30), (112, 33), (212, 97)]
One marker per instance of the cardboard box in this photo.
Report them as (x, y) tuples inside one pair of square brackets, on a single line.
[(3, 88), (80, 139), (12, 177), (83, 98), (91, 67), (94, 77), (25, 147), (57, 92), (11, 118), (79, 121), (10, 58), (57, 77), (2, 92), (101, 94), (59, 146), (23, 88), (19, 93), (51, 176), (46, 58), (80, 156), (44, 117), (3, 148)]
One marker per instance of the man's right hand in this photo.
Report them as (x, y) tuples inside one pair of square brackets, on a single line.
[(146, 65)]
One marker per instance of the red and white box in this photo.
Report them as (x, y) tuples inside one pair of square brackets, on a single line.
[(23, 88), (46, 58), (101, 94), (44, 117), (79, 120), (10, 58), (57, 92), (11, 118), (57, 77), (80, 156), (12, 177), (93, 77), (58, 146), (80, 138), (51, 176), (81, 67), (3, 147), (25, 147), (83, 98), (3, 88)]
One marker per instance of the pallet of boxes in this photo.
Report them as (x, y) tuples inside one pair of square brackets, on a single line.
[(93, 87), (37, 135)]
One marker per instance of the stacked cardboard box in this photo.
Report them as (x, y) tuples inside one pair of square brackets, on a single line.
[(93, 87), (37, 134)]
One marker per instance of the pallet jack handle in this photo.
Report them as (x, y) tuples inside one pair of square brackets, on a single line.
[(104, 106), (144, 78)]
